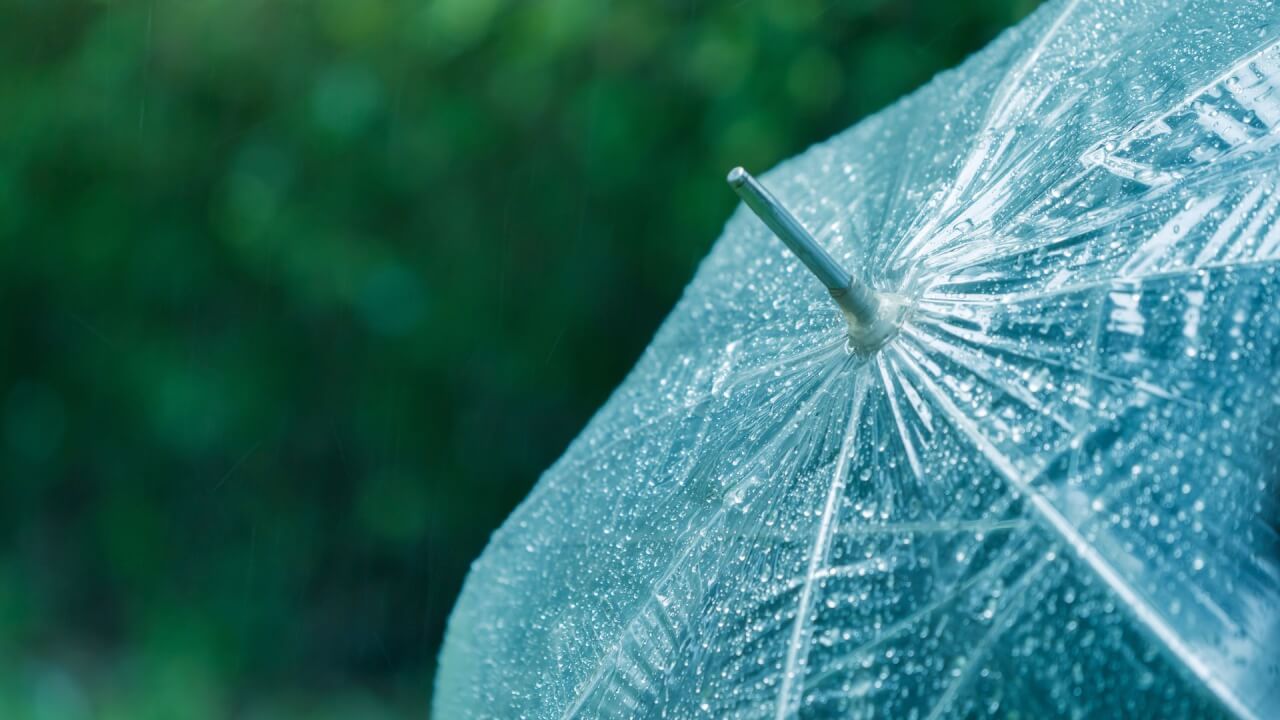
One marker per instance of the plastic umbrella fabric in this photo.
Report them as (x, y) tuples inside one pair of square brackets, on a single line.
[(1049, 490)]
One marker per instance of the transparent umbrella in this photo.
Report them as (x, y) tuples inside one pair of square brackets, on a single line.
[(1031, 469)]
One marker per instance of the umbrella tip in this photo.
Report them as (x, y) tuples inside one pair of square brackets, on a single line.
[(868, 328)]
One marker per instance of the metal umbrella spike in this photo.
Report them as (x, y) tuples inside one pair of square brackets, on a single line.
[(1045, 482), (868, 326)]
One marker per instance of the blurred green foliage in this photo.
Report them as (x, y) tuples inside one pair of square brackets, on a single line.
[(300, 297)]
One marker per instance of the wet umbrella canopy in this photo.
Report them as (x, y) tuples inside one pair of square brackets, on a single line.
[(1047, 487)]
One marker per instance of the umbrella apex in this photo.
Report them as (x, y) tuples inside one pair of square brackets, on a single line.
[(869, 327)]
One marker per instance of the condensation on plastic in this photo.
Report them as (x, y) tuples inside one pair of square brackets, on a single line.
[(1052, 494)]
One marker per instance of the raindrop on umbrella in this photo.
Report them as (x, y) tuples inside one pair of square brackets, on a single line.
[(1030, 469)]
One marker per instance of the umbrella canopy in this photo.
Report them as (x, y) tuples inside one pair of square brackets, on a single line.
[(1050, 488)]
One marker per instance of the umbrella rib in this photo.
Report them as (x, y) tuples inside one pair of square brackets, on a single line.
[(901, 171), (939, 527), (996, 116), (998, 107), (766, 368), (904, 434), (1147, 616), (1091, 222), (788, 695), (604, 667), (1155, 391), (952, 594), (1188, 98), (968, 359), (689, 406), (998, 628), (1017, 297)]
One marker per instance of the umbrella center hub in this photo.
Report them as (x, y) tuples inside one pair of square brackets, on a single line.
[(866, 338)]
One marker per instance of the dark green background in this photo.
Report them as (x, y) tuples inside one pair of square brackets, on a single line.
[(298, 298)]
